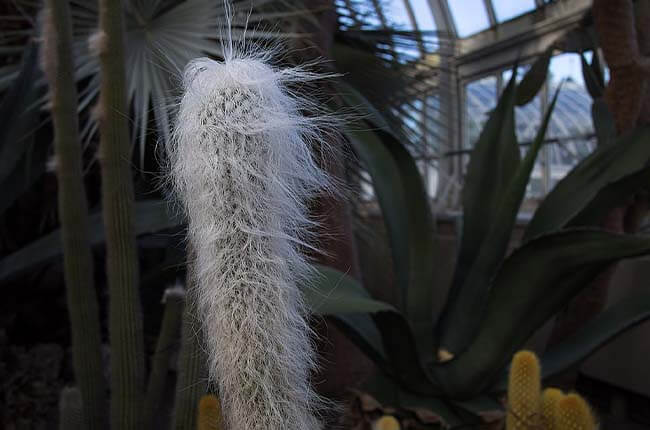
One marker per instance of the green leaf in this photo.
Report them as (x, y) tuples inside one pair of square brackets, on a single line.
[(625, 314), (493, 165), (534, 78), (604, 124), (394, 351), (422, 249), (606, 164), (535, 282), (593, 82), (387, 181), (613, 195), (331, 292), (150, 216)]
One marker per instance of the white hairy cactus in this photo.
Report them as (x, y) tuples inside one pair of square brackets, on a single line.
[(241, 164)]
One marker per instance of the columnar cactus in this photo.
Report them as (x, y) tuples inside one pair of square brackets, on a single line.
[(240, 163), (125, 316), (210, 413), (71, 409), (524, 390), (82, 303), (174, 299), (574, 413), (550, 399)]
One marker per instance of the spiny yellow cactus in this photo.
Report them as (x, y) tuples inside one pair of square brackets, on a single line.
[(387, 422), (573, 413), (550, 399), (210, 413), (524, 392)]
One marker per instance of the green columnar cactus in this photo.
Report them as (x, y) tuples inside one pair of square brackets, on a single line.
[(125, 319), (210, 413), (192, 371), (524, 389), (73, 214), (169, 331), (71, 409), (574, 413)]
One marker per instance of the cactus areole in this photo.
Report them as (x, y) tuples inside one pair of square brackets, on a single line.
[(242, 168)]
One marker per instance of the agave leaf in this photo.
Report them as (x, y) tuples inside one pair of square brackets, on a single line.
[(613, 195), (333, 293), (605, 165), (29, 169), (603, 120), (594, 83), (616, 319), (387, 181), (150, 216), (492, 167), (534, 78), (422, 249), (534, 283)]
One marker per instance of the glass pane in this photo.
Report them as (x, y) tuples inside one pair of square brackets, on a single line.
[(470, 16), (423, 15), (507, 9), (571, 128), (396, 14), (481, 98)]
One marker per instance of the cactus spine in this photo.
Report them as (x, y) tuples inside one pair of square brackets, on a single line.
[(125, 319), (167, 338), (73, 214), (524, 389), (210, 413), (192, 373), (242, 167), (71, 409)]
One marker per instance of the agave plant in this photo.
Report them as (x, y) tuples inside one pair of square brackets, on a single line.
[(454, 363)]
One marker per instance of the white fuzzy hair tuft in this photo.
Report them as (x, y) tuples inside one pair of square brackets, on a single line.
[(242, 167)]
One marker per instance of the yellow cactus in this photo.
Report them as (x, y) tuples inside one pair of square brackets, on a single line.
[(550, 399), (573, 413), (387, 422), (524, 392), (210, 413)]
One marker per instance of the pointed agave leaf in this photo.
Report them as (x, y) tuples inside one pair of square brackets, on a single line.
[(604, 124), (422, 250), (534, 78), (150, 216), (534, 283), (606, 326), (493, 165), (605, 165), (387, 181), (594, 83), (331, 292), (611, 196)]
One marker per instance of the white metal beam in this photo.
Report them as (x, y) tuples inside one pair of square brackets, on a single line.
[(518, 39)]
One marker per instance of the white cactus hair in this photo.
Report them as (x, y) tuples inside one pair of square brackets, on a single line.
[(241, 164)]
